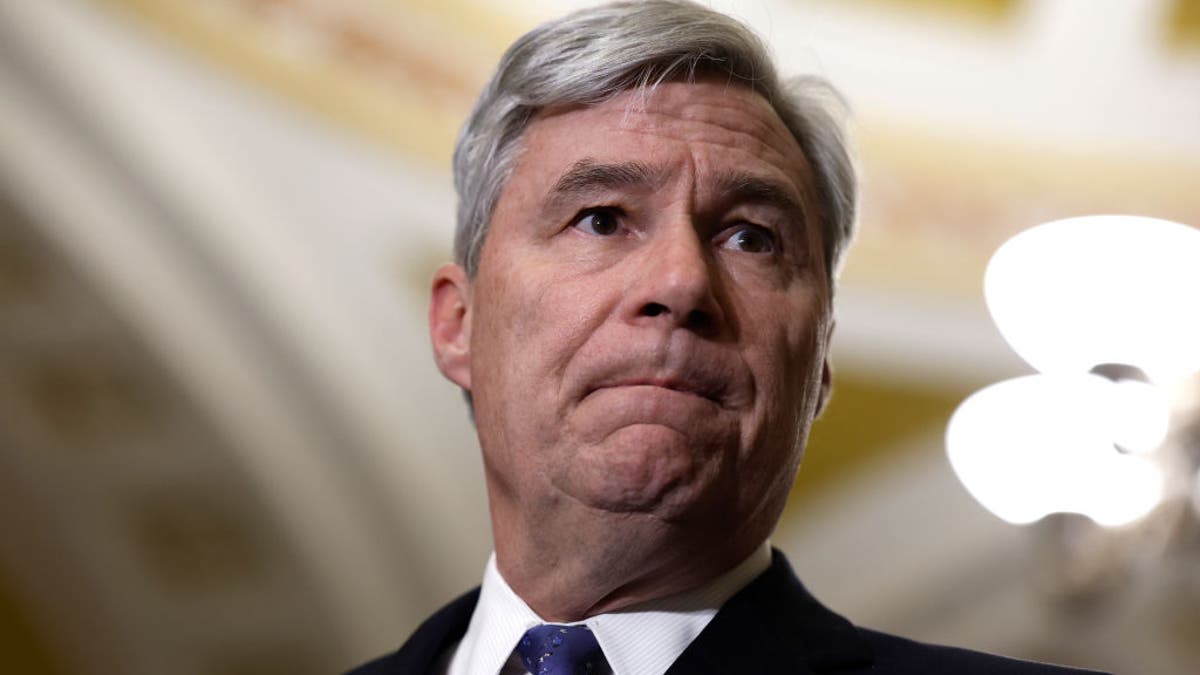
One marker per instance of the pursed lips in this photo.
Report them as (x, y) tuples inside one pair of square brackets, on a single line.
[(680, 385)]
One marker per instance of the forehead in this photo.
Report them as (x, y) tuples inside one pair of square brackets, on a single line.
[(708, 126)]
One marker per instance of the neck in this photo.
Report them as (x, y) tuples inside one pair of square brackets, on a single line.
[(570, 571)]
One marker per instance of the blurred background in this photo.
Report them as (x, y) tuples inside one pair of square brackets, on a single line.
[(224, 448)]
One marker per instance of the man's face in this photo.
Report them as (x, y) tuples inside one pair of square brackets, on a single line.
[(646, 332)]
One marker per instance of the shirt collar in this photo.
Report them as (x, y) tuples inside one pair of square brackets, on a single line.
[(644, 639)]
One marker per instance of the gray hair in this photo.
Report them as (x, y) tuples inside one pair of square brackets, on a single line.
[(593, 55)]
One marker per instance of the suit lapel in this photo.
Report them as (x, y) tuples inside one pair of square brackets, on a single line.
[(774, 625)]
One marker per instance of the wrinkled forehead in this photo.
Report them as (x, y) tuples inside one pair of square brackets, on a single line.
[(712, 126), (706, 111)]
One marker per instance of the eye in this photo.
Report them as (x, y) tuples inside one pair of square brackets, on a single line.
[(750, 239), (600, 222)]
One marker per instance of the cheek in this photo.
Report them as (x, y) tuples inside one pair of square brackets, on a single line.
[(788, 371), (788, 357), (529, 327)]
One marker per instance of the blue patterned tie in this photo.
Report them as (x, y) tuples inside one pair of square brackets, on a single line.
[(559, 650)]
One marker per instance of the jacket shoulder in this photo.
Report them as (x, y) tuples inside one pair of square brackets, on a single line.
[(895, 654), (428, 643)]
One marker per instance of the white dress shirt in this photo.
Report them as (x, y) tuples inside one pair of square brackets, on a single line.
[(641, 640)]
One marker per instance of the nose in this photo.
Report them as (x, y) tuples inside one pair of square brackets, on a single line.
[(677, 282)]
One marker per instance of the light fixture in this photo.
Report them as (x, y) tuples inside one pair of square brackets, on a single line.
[(1074, 293), (1041, 444), (1107, 310)]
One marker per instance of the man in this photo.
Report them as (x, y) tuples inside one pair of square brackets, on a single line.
[(640, 313)]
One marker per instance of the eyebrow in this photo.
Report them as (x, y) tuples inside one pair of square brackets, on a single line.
[(745, 188), (589, 177)]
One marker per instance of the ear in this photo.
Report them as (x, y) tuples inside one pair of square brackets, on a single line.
[(826, 372), (450, 323)]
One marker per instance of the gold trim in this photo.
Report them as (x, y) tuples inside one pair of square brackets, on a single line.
[(1183, 25), (351, 70), (984, 11), (935, 207)]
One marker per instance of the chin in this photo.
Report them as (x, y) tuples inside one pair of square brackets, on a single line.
[(641, 469)]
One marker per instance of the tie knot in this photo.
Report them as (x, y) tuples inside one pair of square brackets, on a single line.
[(559, 650)]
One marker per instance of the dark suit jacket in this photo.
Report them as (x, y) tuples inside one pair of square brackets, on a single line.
[(772, 625)]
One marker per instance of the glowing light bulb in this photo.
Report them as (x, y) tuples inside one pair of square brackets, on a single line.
[(1074, 293), (1042, 444)]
